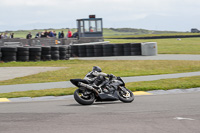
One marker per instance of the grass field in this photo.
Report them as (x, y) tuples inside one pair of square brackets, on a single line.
[(128, 32), (126, 35), (23, 33), (107, 32), (79, 68), (163, 84), (168, 46)]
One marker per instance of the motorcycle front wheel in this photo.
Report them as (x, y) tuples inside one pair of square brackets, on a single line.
[(125, 95), (84, 99)]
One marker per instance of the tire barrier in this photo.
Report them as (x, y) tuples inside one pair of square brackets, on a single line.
[(90, 50), (135, 48), (74, 51), (64, 52), (68, 52), (0, 54), (35, 53), (127, 49), (22, 54), (98, 50), (108, 50), (9, 54), (46, 53), (118, 50), (82, 51), (55, 54)]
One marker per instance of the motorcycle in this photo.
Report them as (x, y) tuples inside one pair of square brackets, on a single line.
[(106, 89)]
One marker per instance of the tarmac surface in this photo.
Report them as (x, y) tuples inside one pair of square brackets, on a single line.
[(67, 84), (170, 113)]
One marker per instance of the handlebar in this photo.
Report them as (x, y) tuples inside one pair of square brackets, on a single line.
[(111, 76)]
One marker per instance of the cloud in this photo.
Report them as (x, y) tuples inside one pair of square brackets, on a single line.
[(16, 3), (63, 13)]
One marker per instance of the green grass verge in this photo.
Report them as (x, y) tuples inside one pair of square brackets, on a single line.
[(163, 84), (107, 32), (79, 68), (39, 93), (23, 33), (168, 46), (129, 35)]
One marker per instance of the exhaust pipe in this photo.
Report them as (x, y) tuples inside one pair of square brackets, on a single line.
[(88, 87)]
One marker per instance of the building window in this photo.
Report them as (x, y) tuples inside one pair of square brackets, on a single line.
[(99, 26)]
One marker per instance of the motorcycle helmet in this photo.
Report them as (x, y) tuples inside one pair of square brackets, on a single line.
[(96, 68)]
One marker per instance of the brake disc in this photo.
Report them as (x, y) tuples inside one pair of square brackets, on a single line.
[(127, 95)]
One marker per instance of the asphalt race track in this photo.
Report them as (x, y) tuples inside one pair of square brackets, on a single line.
[(163, 112), (168, 113)]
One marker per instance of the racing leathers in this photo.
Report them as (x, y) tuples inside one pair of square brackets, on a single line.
[(97, 79)]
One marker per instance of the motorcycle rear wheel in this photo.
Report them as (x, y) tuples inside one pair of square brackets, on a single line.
[(84, 100), (123, 96)]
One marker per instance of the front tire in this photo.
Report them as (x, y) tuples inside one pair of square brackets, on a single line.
[(84, 100), (125, 95)]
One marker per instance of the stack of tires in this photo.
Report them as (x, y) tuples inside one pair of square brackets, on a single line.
[(98, 50), (0, 54), (127, 49), (90, 50), (74, 51), (82, 51), (9, 54), (136, 49), (22, 54), (118, 50), (63, 52), (68, 52), (55, 54), (35, 53), (108, 50), (46, 53)]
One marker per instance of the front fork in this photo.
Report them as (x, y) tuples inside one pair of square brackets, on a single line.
[(122, 88), (124, 92)]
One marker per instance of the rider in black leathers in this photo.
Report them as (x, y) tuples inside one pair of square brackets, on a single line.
[(97, 77)]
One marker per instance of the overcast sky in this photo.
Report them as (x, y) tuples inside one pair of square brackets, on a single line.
[(171, 15)]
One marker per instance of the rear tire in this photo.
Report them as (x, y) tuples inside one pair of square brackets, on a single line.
[(125, 98), (83, 101)]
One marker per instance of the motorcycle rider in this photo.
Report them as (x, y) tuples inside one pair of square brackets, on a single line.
[(97, 77)]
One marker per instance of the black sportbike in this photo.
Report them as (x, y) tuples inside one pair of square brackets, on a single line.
[(106, 89)]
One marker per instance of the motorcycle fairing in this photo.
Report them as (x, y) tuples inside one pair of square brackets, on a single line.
[(107, 97)]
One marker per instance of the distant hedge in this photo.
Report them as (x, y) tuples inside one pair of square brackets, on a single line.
[(156, 37)]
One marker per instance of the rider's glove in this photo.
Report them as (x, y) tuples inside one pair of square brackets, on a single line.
[(110, 76)]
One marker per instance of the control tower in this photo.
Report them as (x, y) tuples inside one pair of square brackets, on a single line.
[(90, 27)]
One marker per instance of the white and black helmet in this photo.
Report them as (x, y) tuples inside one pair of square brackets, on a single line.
[(96, 68)]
